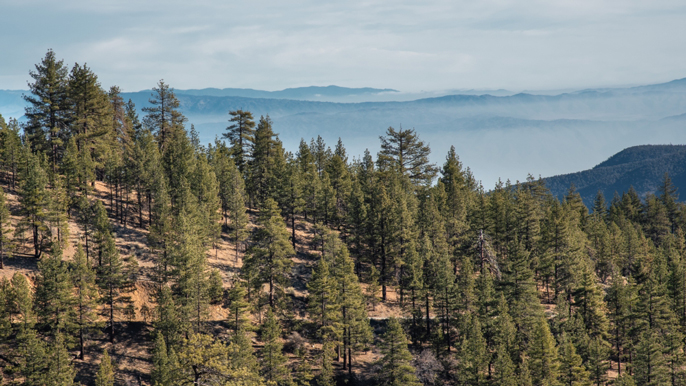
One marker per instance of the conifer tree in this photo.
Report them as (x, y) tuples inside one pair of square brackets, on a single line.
[(650, 368), (625, 380), (404, 149), (572, 370), (32, 357), (273, 361), (544, 363), (163, 118), (167, 321), (238, 307), (395, 363), (4, 228), (91, 113), (215, 290), (236, 201), (83, 277), (54, 297), (35, 202), (269, 258), (60, 371), (161, 372), (302, 374), (47, 113), (105, 374), (504, 368), (267, 164), (241, 136), (22, 301), (113, 279), (11, 151), (597, 363)]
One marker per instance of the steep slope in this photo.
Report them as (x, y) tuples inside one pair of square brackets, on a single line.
[(642, 167)]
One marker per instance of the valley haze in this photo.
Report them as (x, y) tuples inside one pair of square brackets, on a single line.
[(498, 134)]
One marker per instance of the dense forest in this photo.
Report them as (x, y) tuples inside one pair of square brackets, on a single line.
[(501, 286)]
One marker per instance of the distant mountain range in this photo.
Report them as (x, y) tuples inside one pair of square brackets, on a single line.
[(498, 136), (642, 167), (312, 93)]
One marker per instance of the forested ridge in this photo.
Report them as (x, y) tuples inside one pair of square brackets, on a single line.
[(507, 286)]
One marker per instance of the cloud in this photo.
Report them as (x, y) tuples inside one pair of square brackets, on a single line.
[(406, 45)]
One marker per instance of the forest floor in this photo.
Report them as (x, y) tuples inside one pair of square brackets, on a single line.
[(132, 347)]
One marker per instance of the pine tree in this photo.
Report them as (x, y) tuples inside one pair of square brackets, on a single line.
[(54, 297), (404, 149), (302, 374), (11, 151), (22, 301), (113, 279), (47, 113), (273, 361), (105, 374), (161, 372), (168, 321), (215, 290), (83, 277), (572, 370), (650, 368), (241, 136), (269, 258), (236, 201), (91, 113), (35, 201), (60, 371), (268, 163), (395, 363), (4, 228), (163, 118), (504, 368), (32, 357), (544, 363), (597, 363)]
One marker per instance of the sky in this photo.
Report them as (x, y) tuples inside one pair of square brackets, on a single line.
[(410, 46)]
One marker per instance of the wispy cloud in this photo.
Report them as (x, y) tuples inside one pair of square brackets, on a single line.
[(402, 44)]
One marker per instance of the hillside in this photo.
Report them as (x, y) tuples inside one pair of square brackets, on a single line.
[(642, 167)]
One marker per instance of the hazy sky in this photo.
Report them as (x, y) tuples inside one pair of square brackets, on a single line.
[(406, 45)]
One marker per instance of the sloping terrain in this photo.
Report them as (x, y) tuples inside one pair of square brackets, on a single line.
[(642, 167)]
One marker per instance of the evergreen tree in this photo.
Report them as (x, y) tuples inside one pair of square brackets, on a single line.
[(504, 368), (35, 201), (32, 358), (161, 372), (4, 228), (105, 374), (60, 371), (267, 165), (650, 368), (113, 279), (162, 118), (47, 113), (54, 299), (273, 361), (91, 113), (83, 277), (572, 370), (241, 136), (268, 259), (236, 201), (168, 321), (404, 150), (544, 363), (395, 363), (22, 301)]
